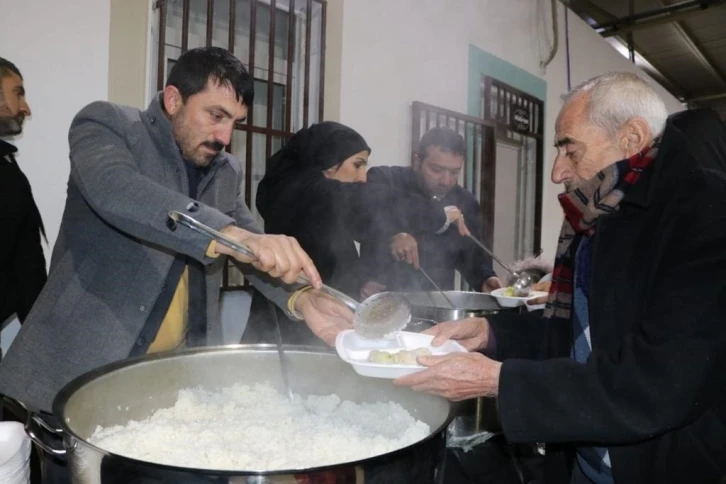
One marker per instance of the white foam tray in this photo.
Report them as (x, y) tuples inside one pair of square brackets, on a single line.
[(355, 350), (513, 302)]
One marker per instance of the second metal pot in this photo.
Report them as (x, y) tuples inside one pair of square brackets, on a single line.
[(433, 306)]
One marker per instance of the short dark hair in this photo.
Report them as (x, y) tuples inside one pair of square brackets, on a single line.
[(7, 68), (194, 69), (445, 139)]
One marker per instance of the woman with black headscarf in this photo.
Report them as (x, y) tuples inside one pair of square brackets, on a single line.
[(314, 190)]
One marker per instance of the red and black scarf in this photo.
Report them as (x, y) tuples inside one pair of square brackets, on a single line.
[(599, 195)]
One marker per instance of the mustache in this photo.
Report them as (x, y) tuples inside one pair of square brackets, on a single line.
[(215, 145)]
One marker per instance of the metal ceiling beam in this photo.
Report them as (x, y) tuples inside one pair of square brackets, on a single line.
[(583, 6), (658, 16), (697, 52), (656, 72), (711, 97)]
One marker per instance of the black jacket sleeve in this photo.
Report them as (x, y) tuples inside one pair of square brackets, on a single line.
[(527, 335)]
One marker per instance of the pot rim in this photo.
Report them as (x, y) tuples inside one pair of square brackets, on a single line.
[(62, 397)]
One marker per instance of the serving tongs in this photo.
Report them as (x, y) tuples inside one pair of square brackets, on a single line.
[(379, 316)]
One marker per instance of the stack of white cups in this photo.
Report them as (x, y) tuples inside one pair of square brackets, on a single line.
[(14, 454)]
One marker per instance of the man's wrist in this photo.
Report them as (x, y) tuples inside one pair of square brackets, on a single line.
[(293, 300)]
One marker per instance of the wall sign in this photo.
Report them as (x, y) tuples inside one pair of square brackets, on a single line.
[(520, 119)]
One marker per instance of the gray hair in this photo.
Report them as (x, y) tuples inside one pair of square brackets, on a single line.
[(617, 97)]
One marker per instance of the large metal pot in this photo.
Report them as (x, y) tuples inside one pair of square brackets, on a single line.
[(134, 388)]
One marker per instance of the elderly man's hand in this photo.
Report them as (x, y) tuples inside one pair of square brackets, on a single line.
[(278, 255), (325, 316), (456, 376), (471, 333)]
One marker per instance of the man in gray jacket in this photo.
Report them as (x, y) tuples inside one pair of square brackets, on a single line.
[(123, 280)]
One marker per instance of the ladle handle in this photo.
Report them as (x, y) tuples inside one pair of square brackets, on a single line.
[(437, 287), (197, 226), (485, 249), (333, 292)]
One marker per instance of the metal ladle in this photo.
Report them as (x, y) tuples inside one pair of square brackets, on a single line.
[(281, 352), (379, 316), (443, 294), (523, 283)]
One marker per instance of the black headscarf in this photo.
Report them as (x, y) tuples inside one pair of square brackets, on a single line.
[(296, 199), (301, 161)]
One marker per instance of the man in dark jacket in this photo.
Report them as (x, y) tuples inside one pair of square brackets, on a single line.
[(624, 379), (434, 174), (22, 263)]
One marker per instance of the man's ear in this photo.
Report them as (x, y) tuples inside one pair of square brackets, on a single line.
[(635, 136), (173, 101), (416, 161)]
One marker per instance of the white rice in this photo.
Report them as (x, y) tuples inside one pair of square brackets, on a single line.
[(257, 428)]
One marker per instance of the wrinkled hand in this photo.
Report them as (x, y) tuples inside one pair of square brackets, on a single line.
[(370, 288), (278, 255), (540, 286), (491, 284), (471, 333), (456, 216), (456, 376), (405, 248), (325, 316)]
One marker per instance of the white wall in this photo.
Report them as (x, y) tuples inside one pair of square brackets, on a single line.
[(129, 46), (62, 53), (395, 52)]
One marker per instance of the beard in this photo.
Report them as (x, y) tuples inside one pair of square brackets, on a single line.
[(11, 125), (202, 153)]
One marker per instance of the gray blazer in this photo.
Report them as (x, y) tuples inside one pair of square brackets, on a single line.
[(114, 249)]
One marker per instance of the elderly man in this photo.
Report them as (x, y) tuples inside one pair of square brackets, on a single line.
[(624, 377)]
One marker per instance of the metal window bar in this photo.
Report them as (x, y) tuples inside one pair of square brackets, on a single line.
[(298, 65), (250, 110)]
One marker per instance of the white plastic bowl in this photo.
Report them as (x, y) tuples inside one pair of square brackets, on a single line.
[(14, 454), (355, 350), (511, 301)]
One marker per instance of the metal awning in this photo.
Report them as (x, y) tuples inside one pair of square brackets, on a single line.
[(682, 44)]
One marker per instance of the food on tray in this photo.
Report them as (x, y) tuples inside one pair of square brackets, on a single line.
[(402, 357), (508, 291)]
